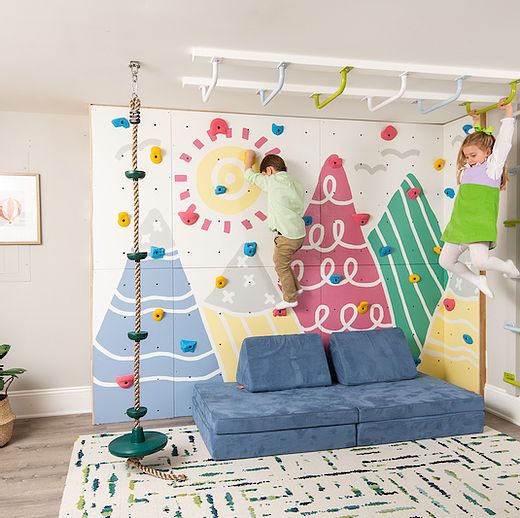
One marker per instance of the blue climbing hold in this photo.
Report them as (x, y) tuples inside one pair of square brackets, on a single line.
[(220, 189), (121, 122), (417, 361), (385, 250), (449, 192), (250, 249), (188, 346), (277, 130), (467, 128), (308, 220), (157, 253), (467, 339), (335, 279)]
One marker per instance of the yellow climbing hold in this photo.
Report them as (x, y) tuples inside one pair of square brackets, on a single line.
[(362, 307), (439, 164), (437, 249), (158, 314), (123, 219), (220, 281), (414, 278), (156, 155)]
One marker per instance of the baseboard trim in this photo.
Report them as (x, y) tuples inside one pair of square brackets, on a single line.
[(51, 402), (502, 404)]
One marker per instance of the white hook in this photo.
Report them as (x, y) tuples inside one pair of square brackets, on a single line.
[(207, 90), (281, 78), (404, 79), (454, 97)]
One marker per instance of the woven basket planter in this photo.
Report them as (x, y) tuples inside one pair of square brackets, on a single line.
[(6, 422)]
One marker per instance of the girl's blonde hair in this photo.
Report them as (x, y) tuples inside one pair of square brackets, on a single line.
[(483, 141)]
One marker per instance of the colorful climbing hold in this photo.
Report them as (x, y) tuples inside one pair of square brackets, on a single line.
[(467, 128), (158, 314), (467, 339), (335, 161), (157, 253), (439, 164), (125, 381), (277, 130), (279, 312), (363, 307), (220, 281), (156, 155), (123, 219), (121, 122), (336, 279), (385, 250), (417, 361), (413, 193), (220, 189), (449, 304), (389, 133), (361, 219), (250, 248), (307, 220), (188, 346), (218, 126), (449, 192), (414, 278), (437, 249), (189, 216)]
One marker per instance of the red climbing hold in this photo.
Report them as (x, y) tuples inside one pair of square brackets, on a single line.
[(449, 304), (413, 193), (279, 312), (218, 126), (389, 133), (335, 161), (125, 381), (361, 219), (189, 217)]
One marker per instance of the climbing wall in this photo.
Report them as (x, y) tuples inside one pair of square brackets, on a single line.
[(374, 207)]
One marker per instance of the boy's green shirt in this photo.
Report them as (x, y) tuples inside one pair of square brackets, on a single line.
[(284, 202)]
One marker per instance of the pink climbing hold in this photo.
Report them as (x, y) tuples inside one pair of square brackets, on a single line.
[(125, 381), (413, 193), (335, 161), (361, 219), (189, 216), (389, 133), (218, 126), (449, 304), (279, 312)]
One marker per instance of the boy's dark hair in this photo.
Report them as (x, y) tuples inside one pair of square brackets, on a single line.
[(272, 161)]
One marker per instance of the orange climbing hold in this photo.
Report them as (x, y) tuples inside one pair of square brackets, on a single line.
[(439, 164), (437, 249), (363, 307), (220, 281), (156, 155), (414, 278), (123, 219), (158, 314)]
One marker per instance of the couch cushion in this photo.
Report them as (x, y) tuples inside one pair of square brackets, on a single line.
[(371, 356), (282, 362), (230, 410), (422, 396)]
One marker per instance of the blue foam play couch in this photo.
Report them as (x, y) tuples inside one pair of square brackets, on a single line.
[(285, 399)]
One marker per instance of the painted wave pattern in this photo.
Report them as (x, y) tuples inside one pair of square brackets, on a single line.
[(167, 374), (410, 227)]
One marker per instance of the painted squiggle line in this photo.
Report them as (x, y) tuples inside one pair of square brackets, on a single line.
[(461, 321), (329, 193), (131, 300), (338, 231), (175, 379), (458, 138), (371, 170), (451, 358), (472, 353), (145, 143), (400, 154), (151, 310)]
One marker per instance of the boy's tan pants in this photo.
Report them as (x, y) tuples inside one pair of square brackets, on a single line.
[(284, 249)]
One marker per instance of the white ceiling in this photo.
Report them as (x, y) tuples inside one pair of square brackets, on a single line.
[(62, 55)]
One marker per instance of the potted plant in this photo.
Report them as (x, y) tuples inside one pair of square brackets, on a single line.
[(6, 414)]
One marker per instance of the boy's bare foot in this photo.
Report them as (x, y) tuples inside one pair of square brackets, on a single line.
[(283, 304)]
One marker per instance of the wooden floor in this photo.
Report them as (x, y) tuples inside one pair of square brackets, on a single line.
[(33, 466)]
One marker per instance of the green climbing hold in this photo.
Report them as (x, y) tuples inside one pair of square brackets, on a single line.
[(136, 414), (137, 337), (136, 256), (135, 174)]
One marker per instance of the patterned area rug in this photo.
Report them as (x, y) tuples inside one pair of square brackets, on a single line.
[(470, 476)]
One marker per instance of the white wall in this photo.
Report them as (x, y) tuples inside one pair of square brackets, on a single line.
[(45, 307)]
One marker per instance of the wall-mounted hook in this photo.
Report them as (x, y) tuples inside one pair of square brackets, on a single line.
[(281, 78), (512, 95), (454, 97), (372, 108), (344, 71), (207, 90)]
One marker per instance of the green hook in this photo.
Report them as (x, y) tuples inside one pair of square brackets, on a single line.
[(512, 95), (344, 71), (510, 378), (511, 223)]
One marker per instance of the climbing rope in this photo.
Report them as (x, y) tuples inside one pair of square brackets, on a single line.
[(135, 119)]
